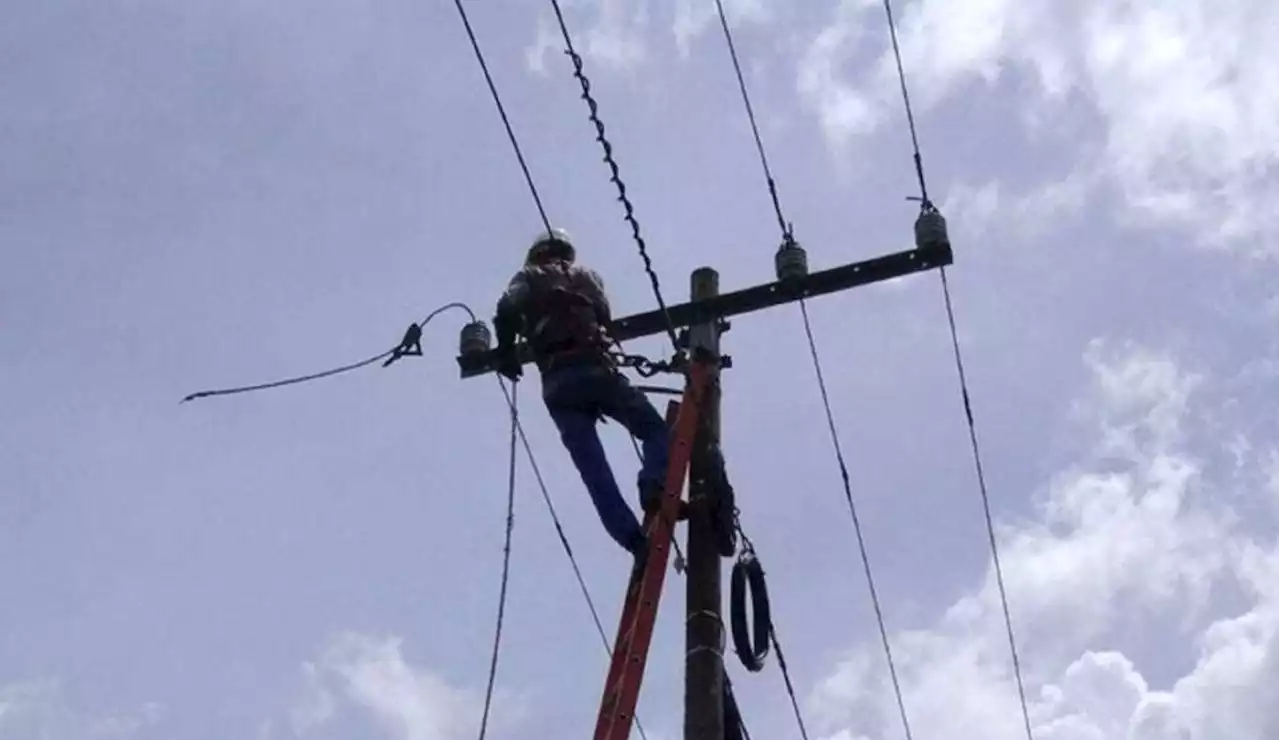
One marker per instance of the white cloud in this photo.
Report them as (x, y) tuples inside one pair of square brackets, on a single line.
[(1128, 542), (618, 38), (546, 41), (618, 35), (39, 709), (20, 699), (693, 17), (317, 705), (126, 724), (407, 702), (843, 110), (1186, 91), (979, 211), (1270, 475), (614, 39)]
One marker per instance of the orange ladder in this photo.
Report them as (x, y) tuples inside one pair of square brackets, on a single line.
[(635, 630)]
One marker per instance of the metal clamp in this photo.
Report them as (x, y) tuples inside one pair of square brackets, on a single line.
[(410, 345), (719, 622)]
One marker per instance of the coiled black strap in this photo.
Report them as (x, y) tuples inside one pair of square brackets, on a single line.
[(751, 652)]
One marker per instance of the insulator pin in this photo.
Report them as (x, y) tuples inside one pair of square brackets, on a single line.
[(790, 262), (931, 230), (474, 339)]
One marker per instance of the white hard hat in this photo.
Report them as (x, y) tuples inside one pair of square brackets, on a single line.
[(556, 241)]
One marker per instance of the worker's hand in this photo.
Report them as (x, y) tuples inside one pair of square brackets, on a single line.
[(509, 364)]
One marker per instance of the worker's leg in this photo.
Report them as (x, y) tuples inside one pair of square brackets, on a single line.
[(623, 402), (569, 398)]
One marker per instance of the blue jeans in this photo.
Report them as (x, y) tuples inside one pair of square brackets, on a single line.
[(577, 396)]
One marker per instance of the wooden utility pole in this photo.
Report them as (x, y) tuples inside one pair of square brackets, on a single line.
[(704, 629)]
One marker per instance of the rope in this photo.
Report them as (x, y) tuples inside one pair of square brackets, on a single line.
[(964, 390), (506, 562), (614, 174), (391, 353), (502, 111), (755, 130)]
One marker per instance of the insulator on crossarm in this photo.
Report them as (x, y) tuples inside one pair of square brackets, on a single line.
[(790, 262), (474, 339), (931, 229)]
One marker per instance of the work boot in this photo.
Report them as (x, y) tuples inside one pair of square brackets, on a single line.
[(651, 501), (640, 550)]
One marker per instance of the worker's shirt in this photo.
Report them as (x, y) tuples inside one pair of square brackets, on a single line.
[(562, 306)]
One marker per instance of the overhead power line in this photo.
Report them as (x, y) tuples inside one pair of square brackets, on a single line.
[(964, 385), (502, 111), (788, 239), (614, 174), (408, 345), (510, 398), (506, 561), (783, 224)]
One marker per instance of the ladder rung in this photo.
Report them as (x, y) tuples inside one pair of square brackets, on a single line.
[(639, 610)]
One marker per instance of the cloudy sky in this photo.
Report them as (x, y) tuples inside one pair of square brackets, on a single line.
[(203, 194)]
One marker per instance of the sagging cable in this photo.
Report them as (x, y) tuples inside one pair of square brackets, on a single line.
[(409, 345)]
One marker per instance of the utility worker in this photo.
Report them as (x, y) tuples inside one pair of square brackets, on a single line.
[(561, 310)]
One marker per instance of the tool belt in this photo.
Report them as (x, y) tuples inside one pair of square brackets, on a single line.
[(573, 352)]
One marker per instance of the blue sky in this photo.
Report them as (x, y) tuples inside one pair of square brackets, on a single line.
[(206, 194)]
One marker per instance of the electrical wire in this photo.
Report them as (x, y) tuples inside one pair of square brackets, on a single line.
[(857, 524), (964, 386), (787, 236), (564, 540), (288, 381), (502, 111), (533, 190), (391, 353), (755, 130), (986, 507), (506, 561), (733, 714), (614, 173), (786, 679), (906, 100), (555, 520)]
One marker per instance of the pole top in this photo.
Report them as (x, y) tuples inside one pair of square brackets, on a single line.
[(705, 284)]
